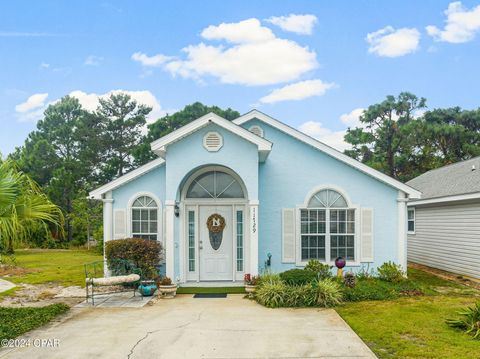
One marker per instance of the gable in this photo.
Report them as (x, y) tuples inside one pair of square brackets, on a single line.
[(246, 121)]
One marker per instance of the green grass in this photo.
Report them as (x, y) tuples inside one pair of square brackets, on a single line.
[(415, 327), (16, 321), (8, 293), (64, 267), (201, 290)]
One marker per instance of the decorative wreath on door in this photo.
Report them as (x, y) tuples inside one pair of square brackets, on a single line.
[(215, 223)]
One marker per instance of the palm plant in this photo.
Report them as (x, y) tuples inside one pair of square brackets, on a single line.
[(22, 204)]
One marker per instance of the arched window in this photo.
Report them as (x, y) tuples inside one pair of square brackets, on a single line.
[(145, 218), (327, 227), (215, 184)]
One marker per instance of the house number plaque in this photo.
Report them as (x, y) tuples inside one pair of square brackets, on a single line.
[(215, 224)]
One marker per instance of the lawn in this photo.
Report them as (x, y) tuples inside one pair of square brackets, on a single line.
[(16, 321), (415, 327), (64, 267)]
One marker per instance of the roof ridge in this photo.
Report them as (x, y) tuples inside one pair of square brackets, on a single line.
[(445, 166)]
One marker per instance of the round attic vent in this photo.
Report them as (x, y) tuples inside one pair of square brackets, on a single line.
[(212, 141), (256, 130)]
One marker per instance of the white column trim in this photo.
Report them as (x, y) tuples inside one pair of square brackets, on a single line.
[(170, 239), (107, 227), (253, 231), (402, 229)]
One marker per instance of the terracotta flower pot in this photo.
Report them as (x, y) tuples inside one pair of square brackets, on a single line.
[(168, 291)]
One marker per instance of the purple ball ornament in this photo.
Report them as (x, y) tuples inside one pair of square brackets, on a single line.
[(340, 262)]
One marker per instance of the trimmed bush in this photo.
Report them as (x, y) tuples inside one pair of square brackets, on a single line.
[(298, 276), (142, 253), (391, 272), (323, 271)]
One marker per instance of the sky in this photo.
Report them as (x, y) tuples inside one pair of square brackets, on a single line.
[(314, 65)]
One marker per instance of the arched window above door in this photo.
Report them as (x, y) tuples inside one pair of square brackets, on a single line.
[(215, 184)]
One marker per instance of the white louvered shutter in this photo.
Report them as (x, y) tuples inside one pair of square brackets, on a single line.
[(366, 238), (288, 235), (119, 224)]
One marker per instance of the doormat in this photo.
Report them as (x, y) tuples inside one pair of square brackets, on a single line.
[(210, 295)]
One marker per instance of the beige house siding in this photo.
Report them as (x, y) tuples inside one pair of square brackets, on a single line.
[(447, 236)]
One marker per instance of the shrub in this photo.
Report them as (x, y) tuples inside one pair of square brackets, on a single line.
[(300, 295), (163, 281), (323, 271), (328, 293), (268, 277), (391, 272), (142, 253), (298, 276), (271, 295), (469, 322), (370, 289)]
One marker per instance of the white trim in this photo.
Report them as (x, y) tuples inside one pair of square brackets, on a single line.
[(160, 146), (97, 193), (159, 214), (107, 227), (414, 220), (253, 238), (413, 193), (446, 199), (169, 239), (402, 230), (319, 188)]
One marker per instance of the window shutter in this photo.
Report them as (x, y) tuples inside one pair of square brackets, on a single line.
[(119, 224), (366, 235), (288, 235)]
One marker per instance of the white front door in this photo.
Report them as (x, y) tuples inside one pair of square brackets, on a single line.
[(216, 251)]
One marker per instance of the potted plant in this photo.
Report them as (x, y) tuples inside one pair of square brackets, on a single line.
[(250, 283), (166, 288), (147, 286)]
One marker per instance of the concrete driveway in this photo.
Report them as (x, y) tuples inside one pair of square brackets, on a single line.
[(198, 328)]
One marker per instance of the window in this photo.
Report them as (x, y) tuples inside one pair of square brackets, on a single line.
[(215, 184), (240, 241), (411, 220), (327, 228), (144, 218), (191, 241)]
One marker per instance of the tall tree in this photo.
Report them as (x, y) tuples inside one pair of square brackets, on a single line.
[(168, 123), (124, 120), (378, 142)]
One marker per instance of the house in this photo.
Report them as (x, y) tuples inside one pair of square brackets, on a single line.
[(227, 198), (444, 225)]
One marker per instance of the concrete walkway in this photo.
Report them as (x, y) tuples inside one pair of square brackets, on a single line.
[(5, 285), (185, 327)]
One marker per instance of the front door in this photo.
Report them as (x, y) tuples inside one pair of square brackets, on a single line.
[(216, 242)]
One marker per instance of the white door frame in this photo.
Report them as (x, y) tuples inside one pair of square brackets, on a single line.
[(195, 204)]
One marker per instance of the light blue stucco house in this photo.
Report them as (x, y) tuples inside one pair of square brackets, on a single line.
[(223, 196)]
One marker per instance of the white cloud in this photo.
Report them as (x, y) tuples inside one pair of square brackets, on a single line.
[(389, 42), (300, 24), (461, 24), (89, 101), (332, 138), (297, 91), (154, 61), (33, 102), (44, 65), (352, 119), (93, 60), (254, 57), (242, 32)]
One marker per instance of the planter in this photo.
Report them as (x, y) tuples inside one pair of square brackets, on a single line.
[(250, 288), (168, 291), (147, 289)]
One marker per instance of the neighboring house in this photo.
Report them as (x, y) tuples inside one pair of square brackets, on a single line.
[(222, 196), (444, 226)]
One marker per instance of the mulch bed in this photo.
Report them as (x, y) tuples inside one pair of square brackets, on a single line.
[(457, 278)]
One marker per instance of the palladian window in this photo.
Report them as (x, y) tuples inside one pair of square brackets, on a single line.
[(144, 218), (327, 228), (215, 184)]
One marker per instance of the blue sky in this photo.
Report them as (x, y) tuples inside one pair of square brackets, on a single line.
[(313, 65)]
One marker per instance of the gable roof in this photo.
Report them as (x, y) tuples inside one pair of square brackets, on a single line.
[(461, 178), (413, 193), (159, 146), (97, 193)]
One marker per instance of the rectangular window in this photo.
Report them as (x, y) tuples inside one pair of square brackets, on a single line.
[(313, 233), (144, 223), (239, 241), (191, 241), (411, 220), (342, 234)]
